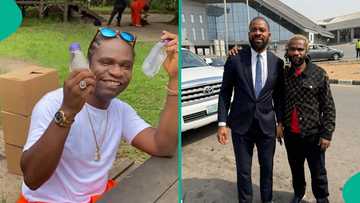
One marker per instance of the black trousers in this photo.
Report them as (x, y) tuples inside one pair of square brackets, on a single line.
[(243, 149), (298, 149), (117, 10), (357, 53)]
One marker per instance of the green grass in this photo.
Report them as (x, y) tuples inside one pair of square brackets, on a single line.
[(46, 42)]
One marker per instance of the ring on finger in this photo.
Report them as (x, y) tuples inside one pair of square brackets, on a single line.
[(82, 84)]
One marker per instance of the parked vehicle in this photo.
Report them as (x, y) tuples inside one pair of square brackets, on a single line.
[(218, 62), (323, 52), (200, 87)]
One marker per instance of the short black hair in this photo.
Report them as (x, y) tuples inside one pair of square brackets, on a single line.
[(259, 18)]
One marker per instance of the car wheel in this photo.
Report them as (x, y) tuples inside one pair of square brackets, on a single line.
[(336, 57)]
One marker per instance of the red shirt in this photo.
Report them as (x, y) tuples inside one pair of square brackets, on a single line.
[(294, 125)]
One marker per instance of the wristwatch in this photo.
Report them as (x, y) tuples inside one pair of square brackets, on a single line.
[(62, 120)]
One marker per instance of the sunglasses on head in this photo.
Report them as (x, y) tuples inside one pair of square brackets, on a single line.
[(112, 33)]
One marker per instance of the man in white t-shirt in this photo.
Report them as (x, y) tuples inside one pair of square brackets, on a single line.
[(75, 131)]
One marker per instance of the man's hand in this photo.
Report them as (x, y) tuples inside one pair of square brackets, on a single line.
[(279, 133), (74, 96), (171, 61), (223, 135), (324, 143), (234, 51)]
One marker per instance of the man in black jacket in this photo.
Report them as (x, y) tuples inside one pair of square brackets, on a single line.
[(309, 119), (119, 7), (255, 77)]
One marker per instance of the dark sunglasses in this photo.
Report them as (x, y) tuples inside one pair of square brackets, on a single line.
[(112, 33)]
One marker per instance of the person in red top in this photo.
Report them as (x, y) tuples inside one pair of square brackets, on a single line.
[(136, 8), (309, 119)]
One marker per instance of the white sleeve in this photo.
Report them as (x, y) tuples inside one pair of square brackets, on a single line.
[(41, 117), (132, 123)]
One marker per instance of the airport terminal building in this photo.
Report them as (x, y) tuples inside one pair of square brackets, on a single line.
[(203, 24), (345, 28)]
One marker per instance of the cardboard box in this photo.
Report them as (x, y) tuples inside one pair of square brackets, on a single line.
[(20, 90), (13, 156), (15, 128)]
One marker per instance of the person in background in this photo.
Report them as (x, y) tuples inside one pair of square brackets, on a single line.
[(119, 7), (137, 7), (357, 47)]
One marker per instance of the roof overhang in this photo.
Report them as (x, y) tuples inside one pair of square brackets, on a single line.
[(282, 14)]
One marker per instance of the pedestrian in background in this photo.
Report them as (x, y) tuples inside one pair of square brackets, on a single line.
[(357, 46), (137, 7), (119, 7)]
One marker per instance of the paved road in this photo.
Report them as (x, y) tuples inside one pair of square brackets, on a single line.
[(209, 168)]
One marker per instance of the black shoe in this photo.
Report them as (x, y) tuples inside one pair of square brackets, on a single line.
[(322, 200), (296, 199)]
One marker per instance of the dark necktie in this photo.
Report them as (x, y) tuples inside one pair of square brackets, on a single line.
[(258, 80)]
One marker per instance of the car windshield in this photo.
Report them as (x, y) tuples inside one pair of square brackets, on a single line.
[(190, 60), (218, 62)]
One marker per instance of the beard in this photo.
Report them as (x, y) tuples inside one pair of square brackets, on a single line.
[(258, 46), (297, 61)]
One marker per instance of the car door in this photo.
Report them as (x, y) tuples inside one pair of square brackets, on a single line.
[(324, 52), (314, 52)]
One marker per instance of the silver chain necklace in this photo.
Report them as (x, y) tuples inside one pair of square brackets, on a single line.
[(97, 150)]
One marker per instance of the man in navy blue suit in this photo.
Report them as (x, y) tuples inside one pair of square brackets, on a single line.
[(255, 77)]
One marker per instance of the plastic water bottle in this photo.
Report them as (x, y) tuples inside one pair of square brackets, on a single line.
[(78, 60), (155, 59)]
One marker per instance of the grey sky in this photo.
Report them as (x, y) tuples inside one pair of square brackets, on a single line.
[(322, 9)]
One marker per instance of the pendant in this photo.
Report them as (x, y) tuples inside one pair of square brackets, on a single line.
[(97, 155)]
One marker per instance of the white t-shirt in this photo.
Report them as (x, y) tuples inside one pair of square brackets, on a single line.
[(78, 176)]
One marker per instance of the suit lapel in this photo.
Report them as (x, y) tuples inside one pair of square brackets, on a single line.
[(247, 72)]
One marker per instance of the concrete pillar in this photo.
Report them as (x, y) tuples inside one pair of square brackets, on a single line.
[(338, 36)]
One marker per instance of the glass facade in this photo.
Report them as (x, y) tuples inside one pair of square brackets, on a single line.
[(238, 24)]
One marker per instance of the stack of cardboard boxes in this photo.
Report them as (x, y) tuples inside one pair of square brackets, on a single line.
[(20, 90)]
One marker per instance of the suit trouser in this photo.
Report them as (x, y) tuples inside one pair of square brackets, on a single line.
[(357, 53), (117, 10), (298, 149), (243, 149)]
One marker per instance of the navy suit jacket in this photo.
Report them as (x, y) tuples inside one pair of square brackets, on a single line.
[(245, 106)]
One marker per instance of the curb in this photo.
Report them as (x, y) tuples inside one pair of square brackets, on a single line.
[(345, 82)]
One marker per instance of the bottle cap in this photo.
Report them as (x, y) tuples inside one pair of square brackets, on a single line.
[(74, 46)]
